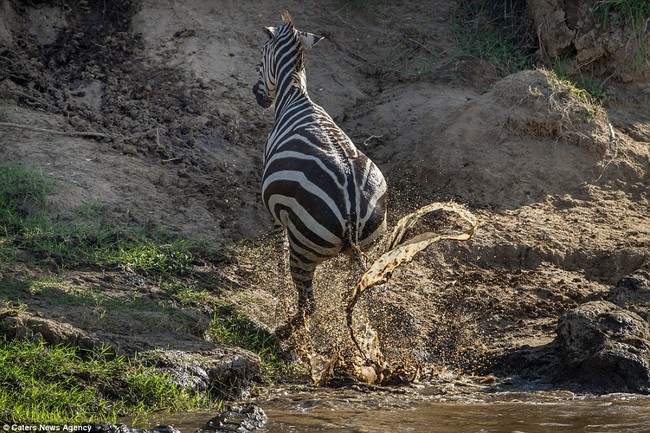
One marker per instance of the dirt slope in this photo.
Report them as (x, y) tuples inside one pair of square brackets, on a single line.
[(561, 189)]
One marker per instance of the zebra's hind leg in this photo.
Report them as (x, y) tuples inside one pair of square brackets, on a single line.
[(302, 266), (302, 274), (302, 269)]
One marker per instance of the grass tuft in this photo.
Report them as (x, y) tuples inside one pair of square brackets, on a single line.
[(634, 12), (228, 327), (587, 91), (499, 32), (87, 241), (22, 198), (62, 384), (162, 259)]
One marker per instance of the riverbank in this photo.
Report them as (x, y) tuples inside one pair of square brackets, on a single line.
[(130, 216)]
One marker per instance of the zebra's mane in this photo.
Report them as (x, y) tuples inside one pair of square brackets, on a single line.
[(286, 17), (301, 62)]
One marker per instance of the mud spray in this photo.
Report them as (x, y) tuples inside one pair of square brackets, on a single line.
[(338, 347)]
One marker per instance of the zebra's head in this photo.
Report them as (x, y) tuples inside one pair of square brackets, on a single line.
[(282, 59)]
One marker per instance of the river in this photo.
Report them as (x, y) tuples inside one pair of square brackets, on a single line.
[(372, 411)]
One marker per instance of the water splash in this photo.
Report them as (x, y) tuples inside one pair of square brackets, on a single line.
[(369, 364)]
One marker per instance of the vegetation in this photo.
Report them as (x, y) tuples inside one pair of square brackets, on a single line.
[(634, 12), (62, 384), (499, 32), (86, 240), (53, 384), (22, 197), (589, 91), (233, 329)]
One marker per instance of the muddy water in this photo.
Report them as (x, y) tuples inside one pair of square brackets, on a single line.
[(462, 417), (357, 411), (535, 413)]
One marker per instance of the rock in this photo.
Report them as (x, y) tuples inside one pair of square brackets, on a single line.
[(632, 292), (585, 36), (554, 33), (227, 370), (25, 326), (230, 368), (108, 428), (638, 280), (159, 429), (183, 369), (240, 419), (529, 367), (605, 347)]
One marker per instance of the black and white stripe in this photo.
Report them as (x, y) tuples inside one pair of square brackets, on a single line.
[(316, 183)]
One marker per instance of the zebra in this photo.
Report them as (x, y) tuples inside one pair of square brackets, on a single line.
[(327, 194)]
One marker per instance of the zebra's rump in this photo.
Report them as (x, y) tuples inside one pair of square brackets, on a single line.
[(324, 199)]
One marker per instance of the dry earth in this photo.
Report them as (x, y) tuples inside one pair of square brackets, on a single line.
[(560, 187)]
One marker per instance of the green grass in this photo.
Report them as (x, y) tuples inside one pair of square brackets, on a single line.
[(90, 241), (57, 291), (62, 384), (40, 383), (187, 296), (634, 12), (87, 240), (81, 244), (589, 91), (233, 329), (149, 257), (498, 32), (22, 198)]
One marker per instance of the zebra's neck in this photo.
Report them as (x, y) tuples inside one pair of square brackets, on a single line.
[(292, 88)]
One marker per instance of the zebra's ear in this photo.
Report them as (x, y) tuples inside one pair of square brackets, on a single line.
[(269, 31), (308, 40)]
